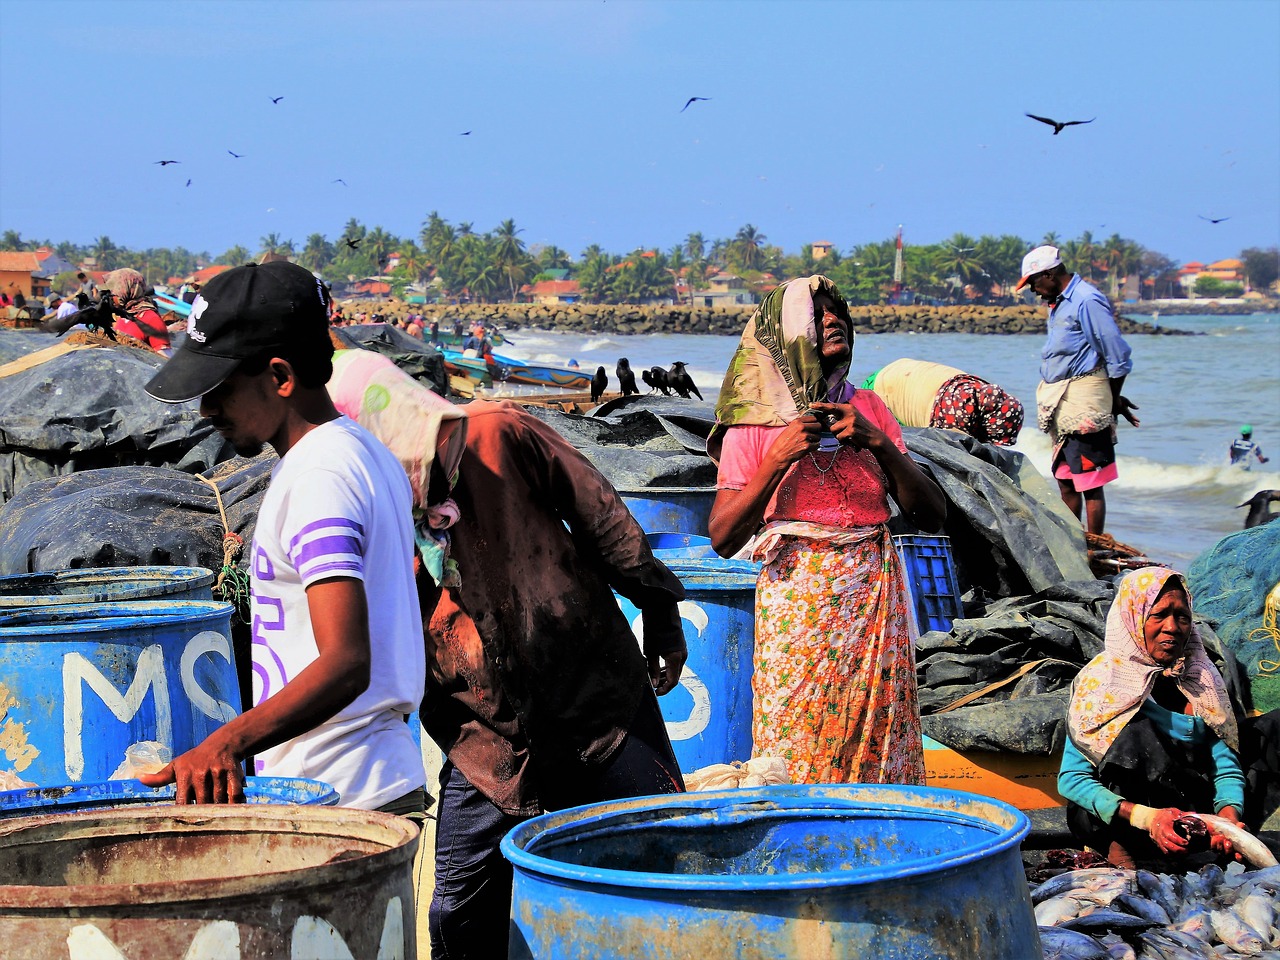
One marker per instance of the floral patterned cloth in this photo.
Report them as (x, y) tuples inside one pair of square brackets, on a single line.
[(835, 679), (1111, 688), (980, 409)]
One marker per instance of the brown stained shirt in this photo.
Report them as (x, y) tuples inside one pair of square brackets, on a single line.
[(533, 673)]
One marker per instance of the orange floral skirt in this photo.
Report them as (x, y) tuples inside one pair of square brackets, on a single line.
[(835, 676)]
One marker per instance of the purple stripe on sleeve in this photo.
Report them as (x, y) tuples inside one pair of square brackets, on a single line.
[(340, 522), (350, 566), (326, 547)]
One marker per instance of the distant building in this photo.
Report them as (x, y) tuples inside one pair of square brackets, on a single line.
[(20, 273), (821, 248), (550, 292), (51, 264), (726, 290), (1229, 270)]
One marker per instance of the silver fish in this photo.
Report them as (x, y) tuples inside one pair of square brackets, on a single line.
[(1142, 907), (1059, 944), (1117, 949), (1246, 844), (1236, 934), (1161, 888), (1101, 921), (1170, 945), (1050, 913), (1076, 879), (1196, 922), (1258, 910)]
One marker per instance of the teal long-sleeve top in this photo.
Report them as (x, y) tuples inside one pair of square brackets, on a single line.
[(1078, 778)]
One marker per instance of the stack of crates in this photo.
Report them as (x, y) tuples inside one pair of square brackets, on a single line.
[(931, 576)]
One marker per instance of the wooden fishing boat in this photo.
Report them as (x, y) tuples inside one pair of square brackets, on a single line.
[(510, 370)]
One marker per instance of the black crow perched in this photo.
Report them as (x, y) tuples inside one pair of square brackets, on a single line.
[(99, 313), (681, 382), (599, 383), (657, 379), (626, 377), (1260, 508)]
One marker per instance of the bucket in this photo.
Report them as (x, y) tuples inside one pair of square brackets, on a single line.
[(79, 683), (681, 546), (116, 794), (671, 509), (849, 872), (931, 577), (245, 881), (708, 716), (98, 585)]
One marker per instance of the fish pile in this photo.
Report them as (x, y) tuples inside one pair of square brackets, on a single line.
[(1107, 913)]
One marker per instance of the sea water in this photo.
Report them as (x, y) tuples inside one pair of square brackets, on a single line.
[(1176, 496)]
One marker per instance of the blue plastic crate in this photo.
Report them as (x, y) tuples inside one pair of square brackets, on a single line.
[(931, 577)]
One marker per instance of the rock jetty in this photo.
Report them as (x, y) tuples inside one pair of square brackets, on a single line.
[(627, 319)]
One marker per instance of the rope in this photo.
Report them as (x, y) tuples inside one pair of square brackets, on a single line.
[(978, 694), (232, 584), (1269, 630)]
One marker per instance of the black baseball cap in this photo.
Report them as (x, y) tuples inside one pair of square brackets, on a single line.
[(242, 313)]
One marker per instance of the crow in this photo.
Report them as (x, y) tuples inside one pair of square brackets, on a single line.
[(1213, 220), (1058, 127), (234, 154), (465, 133), (1260, 508), (188, 182), (599, 383), (626, 378), (99, 313), (681, 382), (165, 163), (339, 180), (692, 100), (276, 99), (657, 379), (351, 243)]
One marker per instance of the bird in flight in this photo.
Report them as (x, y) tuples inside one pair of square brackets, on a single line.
[(339, 180), (165, 163), (234, 154), (1058, 127), (692, 100), (465, 133), (1213, 219), (188, 182), (352, 243), (276, 99)]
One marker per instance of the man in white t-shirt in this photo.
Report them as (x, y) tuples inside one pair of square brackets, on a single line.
[(338, 658)]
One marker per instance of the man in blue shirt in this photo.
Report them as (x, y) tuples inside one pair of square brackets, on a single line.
[(1243, 450), (1083, 367)]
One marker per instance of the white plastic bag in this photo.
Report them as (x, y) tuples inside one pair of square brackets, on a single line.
[(146, 756), (756, 772), (11, 781)]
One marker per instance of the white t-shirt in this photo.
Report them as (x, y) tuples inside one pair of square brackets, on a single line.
[(339, 505)]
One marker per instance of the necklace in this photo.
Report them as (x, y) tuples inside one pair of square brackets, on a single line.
[(823, 471)]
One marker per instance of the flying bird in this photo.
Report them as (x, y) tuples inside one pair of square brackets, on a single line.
[(692, 100), (1058, 127), (234, 154), (339, 180), (165, 163), (276, 99), (351, 243), (1213, 219), (680, 381), (188, 182), (465, 133), (626, 377), (657, 379), (599, 383)]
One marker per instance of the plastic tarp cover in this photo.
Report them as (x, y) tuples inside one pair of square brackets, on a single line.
[(1229, 585), (88, 409), (419, 360)]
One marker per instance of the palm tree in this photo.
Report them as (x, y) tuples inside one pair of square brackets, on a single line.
[(414, 263), (695, 246), (378, 243), (317, 253), (105, 252), (234, 256), (510, 254), (11, 240), (1050, 239), (553, 258), (748, 247)]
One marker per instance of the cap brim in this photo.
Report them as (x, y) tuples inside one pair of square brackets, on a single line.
[(188, 375), (1023, 282)]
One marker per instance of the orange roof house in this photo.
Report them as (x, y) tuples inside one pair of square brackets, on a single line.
[(554, 291), (20, 272)]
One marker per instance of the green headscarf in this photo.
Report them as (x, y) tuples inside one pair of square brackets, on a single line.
[(776, 372)]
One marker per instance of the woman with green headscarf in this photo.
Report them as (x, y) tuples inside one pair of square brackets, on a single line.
[(807, 465)]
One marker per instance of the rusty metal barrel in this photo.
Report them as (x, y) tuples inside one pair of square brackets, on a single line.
[(246, 881)]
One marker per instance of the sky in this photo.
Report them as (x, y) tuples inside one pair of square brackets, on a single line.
[(829, 121)]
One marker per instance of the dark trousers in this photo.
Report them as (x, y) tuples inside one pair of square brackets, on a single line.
[(471, 908)]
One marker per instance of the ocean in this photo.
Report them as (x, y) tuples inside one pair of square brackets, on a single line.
[(1176, 495)]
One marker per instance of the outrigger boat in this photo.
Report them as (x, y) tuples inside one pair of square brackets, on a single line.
[(509, 370)]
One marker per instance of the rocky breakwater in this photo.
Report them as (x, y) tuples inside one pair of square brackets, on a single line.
[(627, 319)]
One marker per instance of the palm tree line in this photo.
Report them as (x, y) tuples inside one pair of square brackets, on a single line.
[(452, 261)]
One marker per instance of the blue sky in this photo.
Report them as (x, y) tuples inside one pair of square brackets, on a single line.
[(826, 120)]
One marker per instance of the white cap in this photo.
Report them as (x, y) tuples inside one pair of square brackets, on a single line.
[(1037, 261)]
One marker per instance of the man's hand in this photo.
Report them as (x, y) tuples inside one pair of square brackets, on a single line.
[(664, 670), (1125, 407), (208, 773)]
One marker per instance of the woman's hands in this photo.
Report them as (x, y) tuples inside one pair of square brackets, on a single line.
[(851, 427), (798, 438)]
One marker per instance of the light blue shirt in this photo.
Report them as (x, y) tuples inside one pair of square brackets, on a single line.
[(1078, 778), (1083, 336)]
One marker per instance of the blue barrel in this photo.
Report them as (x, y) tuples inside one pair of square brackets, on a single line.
[(681, 546), (103, 584), (708, 715), (847, 872), (79, 683), (671, 509), (113, 794)]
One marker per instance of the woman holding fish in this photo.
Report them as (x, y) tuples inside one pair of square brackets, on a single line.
[(1152, 735)]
